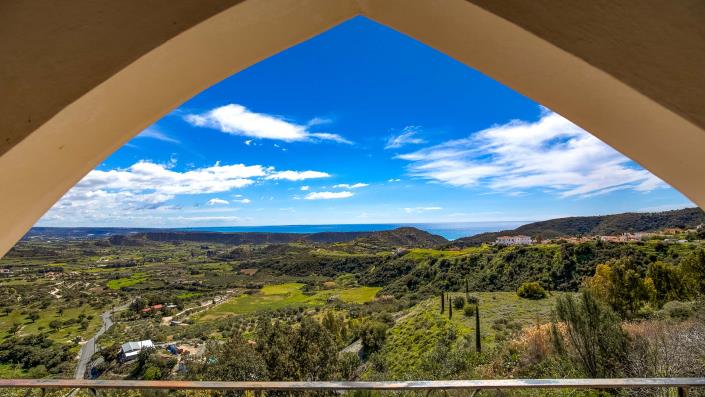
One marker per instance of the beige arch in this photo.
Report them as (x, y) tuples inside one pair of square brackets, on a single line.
[(80, 78)]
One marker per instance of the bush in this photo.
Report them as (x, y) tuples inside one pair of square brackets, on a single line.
[(152, 373), (593, 335), (469, 310), (532, 290), (678, 310), (458, 302), (473, 300), (373, 334)]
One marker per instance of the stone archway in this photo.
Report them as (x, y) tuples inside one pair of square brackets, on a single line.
[(86, 76)]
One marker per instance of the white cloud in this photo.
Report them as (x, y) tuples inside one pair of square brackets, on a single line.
[(393, 180), (217, 201), (297, 175), (318, 121), (348, 186), (145, 175), (418, 210), (238, 120), (153, 133), (407, 137), (305, 188), (328, 195), (136, 192), (551, 153), (326, 136)]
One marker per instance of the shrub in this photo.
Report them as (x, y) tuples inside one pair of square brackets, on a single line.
[(473, 300), (152, 373), (593, 335), (532, 290), (458, 302), (373, 333), (469, 310), (678, 310)]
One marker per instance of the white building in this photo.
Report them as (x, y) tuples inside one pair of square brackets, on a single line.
[(513, 240), (130, 350)]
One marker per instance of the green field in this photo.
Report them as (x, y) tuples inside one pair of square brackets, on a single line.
[(127, 281), (425, 253), (278, 296), (417, 333), (48, 315)]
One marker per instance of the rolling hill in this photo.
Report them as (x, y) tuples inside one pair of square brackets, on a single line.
[(401, 237), (629, 222)]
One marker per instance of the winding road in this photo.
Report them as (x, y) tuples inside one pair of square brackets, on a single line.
[(88, 349)]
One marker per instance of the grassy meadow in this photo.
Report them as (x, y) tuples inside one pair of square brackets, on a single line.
[(416, 334), (279, 296)]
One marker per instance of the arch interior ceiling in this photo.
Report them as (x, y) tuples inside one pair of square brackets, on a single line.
[(81, 78)]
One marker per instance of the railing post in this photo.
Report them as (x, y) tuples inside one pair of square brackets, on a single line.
[(682, 391)]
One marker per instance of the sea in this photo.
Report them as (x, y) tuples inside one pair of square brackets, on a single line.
[(451, 230)]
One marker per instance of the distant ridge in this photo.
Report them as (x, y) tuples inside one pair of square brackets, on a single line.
[(236, 238), (400, 237), (403, 237), (628, 222)]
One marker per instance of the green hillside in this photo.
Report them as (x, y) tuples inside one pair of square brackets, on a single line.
[(629, 222)]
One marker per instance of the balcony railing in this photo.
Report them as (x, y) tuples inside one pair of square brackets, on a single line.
[(682, 385)]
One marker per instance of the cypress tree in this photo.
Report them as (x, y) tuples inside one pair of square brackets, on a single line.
[(450, 308), (478, 344)]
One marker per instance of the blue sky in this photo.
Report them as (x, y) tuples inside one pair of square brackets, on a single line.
[(360, 124)]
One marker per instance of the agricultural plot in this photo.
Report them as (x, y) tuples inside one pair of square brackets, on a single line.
[(124, 282), (279, 296), (59, 326)]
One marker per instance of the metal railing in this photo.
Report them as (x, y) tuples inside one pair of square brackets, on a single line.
[(95, 386)]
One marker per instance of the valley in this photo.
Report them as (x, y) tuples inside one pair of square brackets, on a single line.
[(400, 304)]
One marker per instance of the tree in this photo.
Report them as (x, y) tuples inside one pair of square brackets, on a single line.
[(478, 341), (348, 363), (55, 324), (317, 352), (33, 316), (373, 334), (694, 271), (443, 302), (531, 290), (467, 290), (234, 360), (111, 353), (450, 309), (668, 282), (458, 302), (13, 328), (307, 352), (275, 345), (623, 286), (336, 326), (593, 334)]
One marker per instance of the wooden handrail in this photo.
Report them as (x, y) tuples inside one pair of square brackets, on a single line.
[(616, 383)]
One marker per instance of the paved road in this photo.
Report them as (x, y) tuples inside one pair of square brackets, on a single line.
[(88, 349)]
